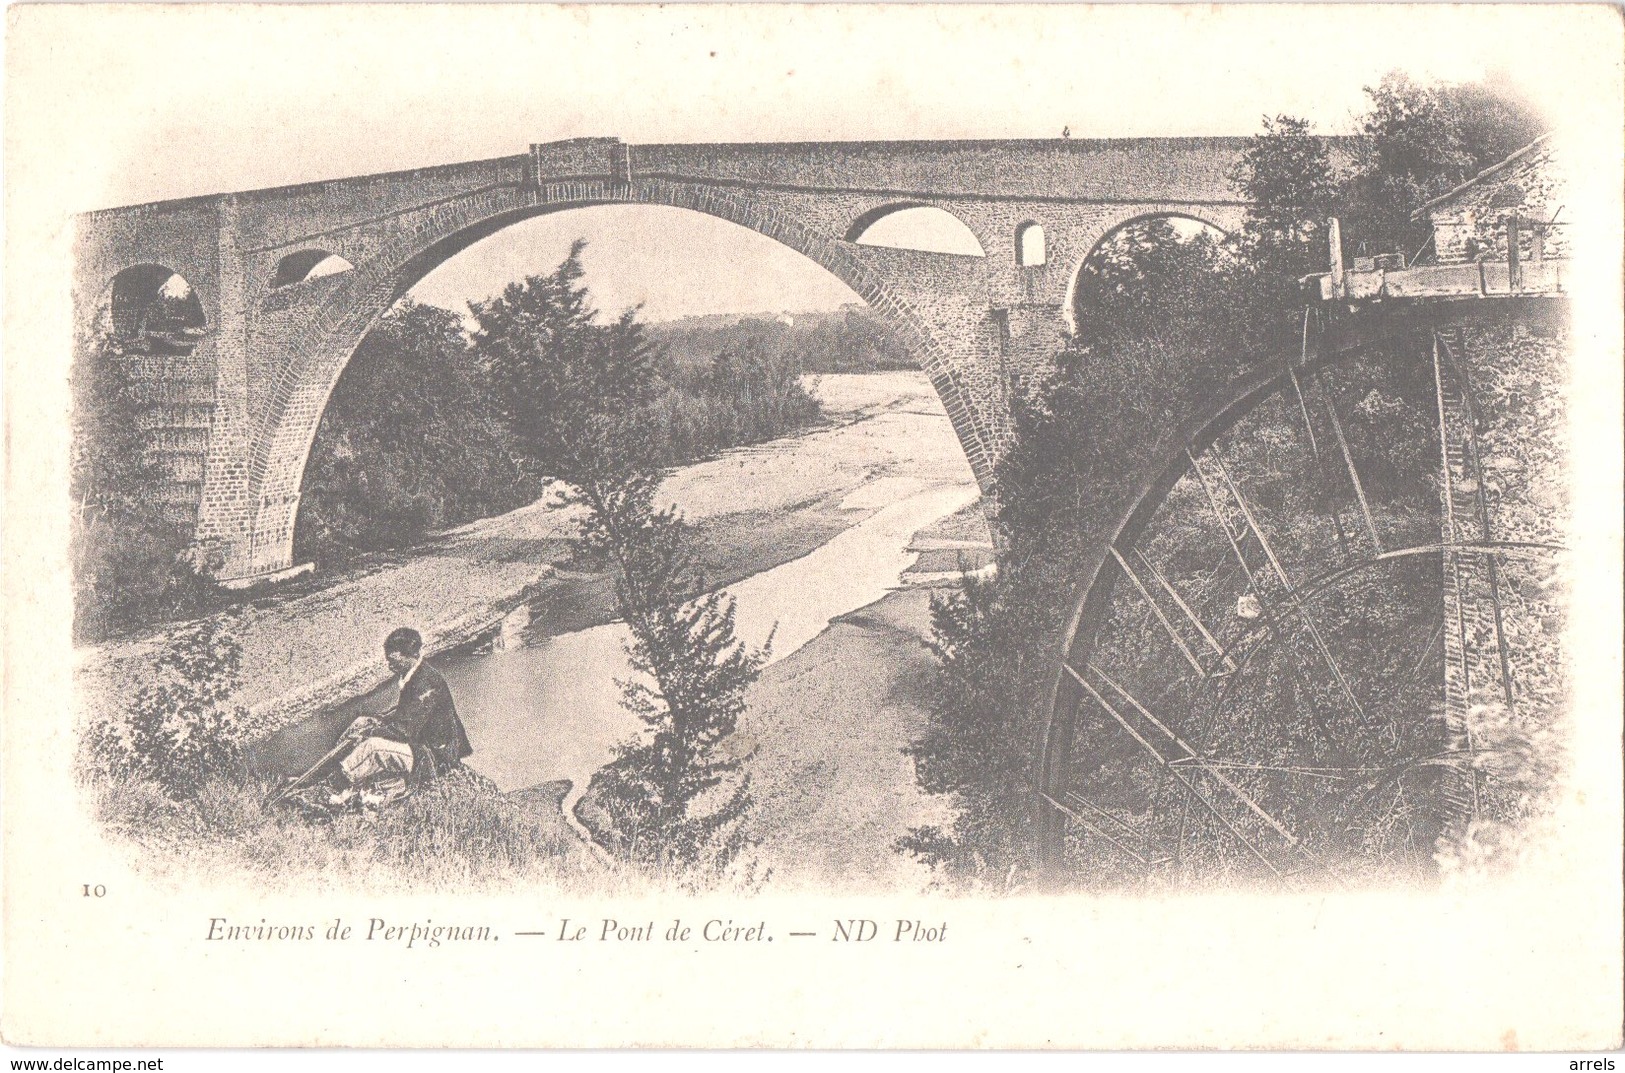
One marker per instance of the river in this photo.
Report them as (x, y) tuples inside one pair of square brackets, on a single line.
[(550, 709)]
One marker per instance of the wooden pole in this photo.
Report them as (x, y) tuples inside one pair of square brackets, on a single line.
[(1334, 239), (1514, 269)]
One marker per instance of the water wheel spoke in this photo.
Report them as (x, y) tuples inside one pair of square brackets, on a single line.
[(1348, 461), (1335, 773), (1314, 448), (1092, 828), (1307, 742), (1168, 627), (1201, 627), (1105, 814), (1286, 585), (1078, 677), (1197, 759), (1148, 843), (1427, 649), (1224, 523), (1213, 809)]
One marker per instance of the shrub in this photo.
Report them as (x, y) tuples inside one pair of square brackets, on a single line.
[(180, 727), (974, 749)]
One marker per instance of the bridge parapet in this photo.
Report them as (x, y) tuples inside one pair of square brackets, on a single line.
[(578, 158), (1114, 170)]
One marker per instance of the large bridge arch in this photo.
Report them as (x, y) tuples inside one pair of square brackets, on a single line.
[(337, 318)]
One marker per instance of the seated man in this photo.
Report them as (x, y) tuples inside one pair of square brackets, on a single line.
[(421, 738)]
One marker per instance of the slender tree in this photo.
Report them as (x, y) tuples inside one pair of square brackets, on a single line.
[(573, 390), (674, 800)]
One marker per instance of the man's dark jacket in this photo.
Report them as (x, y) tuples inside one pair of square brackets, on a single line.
[(426, 719)]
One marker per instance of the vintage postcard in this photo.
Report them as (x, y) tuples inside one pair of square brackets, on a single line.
[(833, 526)]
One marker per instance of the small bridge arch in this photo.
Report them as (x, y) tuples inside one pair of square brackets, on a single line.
[(924, 227), (1227, 220)]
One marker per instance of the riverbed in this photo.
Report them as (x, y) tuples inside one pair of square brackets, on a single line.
[(313, 642), (827, 528)]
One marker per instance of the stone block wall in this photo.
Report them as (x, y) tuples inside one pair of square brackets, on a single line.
[(574, 158), (1105, 169), (1506, 689), (1471, 225)]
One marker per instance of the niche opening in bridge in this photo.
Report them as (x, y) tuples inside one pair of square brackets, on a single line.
[(915, 227), (1030, 245), (308, 264), (151, 309)]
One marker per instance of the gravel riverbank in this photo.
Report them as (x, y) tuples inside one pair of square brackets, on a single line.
[(833, 789), (826, 725)]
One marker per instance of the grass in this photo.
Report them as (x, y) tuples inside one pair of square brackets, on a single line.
[(458, 833)]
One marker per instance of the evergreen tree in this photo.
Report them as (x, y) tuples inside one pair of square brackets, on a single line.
[(672, 798), (573, 391), (561, 376)]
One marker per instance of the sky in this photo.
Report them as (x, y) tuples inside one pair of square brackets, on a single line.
[(145, 102), (669, 262), (673, 263)]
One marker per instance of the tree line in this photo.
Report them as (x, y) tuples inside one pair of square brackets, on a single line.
[(422, 433)]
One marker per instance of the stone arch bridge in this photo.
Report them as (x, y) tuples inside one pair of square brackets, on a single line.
[(236, 416)]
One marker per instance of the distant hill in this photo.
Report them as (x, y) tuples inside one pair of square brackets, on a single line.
[(852, 339)]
